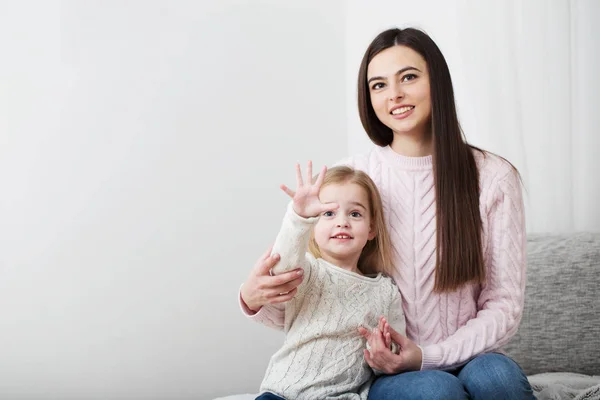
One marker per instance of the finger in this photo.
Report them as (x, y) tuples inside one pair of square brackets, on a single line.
[(369, 360), (329, 207), (383, 320), (282, 298), (288, 191), (378, 343), (379, 335), (291, 285), (286, 277), (364, 332), (309, 171), (299, 181), (321, 176), (266, 254), (373, 340), (387, 328), (268, 263), (401, 340), (386, 335)]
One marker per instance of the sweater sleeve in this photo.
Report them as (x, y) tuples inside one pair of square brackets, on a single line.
[(291, 245), (500, 303), (396, 317), (292, 242)]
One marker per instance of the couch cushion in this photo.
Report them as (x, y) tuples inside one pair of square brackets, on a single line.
[(560, 329)]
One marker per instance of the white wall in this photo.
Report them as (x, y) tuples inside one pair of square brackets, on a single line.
[(141, 148)]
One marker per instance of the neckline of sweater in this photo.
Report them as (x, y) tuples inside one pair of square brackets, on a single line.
[(371, 278), (405, 162)]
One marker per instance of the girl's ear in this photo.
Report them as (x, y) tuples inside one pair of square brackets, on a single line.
[(372, 233)]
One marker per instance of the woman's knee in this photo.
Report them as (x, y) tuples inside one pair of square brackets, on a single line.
[(418, 385), (495, 376)]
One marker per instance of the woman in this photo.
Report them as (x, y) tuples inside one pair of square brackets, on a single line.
[(456, 221)]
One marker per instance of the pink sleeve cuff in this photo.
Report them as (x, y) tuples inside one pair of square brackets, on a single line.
[(272, 316), (247, 312), (432, 357)]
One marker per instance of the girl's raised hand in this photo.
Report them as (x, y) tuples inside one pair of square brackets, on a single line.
[(305, 199)]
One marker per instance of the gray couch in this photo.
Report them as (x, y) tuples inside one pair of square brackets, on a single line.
[(558, 342)]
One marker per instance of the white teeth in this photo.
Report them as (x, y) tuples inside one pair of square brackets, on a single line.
[(342, 237), (402, 110)]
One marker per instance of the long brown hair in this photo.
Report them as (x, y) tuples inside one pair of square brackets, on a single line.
[(376, 256), (459, 254)]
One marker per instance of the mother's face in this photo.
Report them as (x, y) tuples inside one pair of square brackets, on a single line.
[(398, 84)]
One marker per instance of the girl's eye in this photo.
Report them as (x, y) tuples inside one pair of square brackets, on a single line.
[(377, 86), (328, 213), (356, 214), (408, 77)]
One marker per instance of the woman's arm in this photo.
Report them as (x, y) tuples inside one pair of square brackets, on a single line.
[(500, 302)]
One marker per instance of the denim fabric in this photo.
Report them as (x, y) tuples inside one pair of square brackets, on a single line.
[(486, 377), (269, 396)]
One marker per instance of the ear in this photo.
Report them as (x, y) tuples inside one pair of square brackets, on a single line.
[(372, 233)]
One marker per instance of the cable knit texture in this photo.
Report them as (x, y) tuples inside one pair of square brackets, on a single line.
[(450, 328), (322, 356)]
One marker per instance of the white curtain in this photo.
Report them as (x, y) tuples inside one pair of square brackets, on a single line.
[(526, 80)]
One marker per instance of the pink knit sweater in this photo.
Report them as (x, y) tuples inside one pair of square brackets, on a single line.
[(450, 328)]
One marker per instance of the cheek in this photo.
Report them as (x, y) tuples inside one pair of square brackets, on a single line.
[(365, 229), (320, 231), (424, 93), (379, 105), (370, 230)]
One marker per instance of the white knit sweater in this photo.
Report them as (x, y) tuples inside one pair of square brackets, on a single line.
[(322, 356)]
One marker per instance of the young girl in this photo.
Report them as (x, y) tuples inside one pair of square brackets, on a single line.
[(456, 220), (339, 218)]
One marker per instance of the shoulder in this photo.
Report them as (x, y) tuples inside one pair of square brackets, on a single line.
[(493, 170), (388, 284), (491, 165), (368, 162), (498, 178), (389, 291)]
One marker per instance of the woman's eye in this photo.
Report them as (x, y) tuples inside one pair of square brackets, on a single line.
[(355, 214), (328, 213), (377, 86), (408, 77)]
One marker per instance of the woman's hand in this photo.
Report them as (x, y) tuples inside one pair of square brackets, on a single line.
[(261, 288), (305, 199), (380, 355)]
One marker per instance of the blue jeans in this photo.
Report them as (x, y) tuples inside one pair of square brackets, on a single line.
[(269, 396), (488, 376)]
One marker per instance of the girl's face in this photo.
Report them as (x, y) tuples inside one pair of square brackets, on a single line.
[(342, 234), (398, 84)]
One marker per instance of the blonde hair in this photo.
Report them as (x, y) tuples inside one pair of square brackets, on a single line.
[(376, 256)]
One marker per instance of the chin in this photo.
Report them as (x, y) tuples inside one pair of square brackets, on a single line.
[(404, 129), (411, 129)]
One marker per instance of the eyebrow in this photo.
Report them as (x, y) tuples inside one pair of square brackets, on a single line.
[(356, 203), (400, 71)]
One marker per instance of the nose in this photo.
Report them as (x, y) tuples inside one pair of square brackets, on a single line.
[(342, 222), (396, 92)]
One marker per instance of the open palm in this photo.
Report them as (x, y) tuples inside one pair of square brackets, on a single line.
[(305, 199)]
